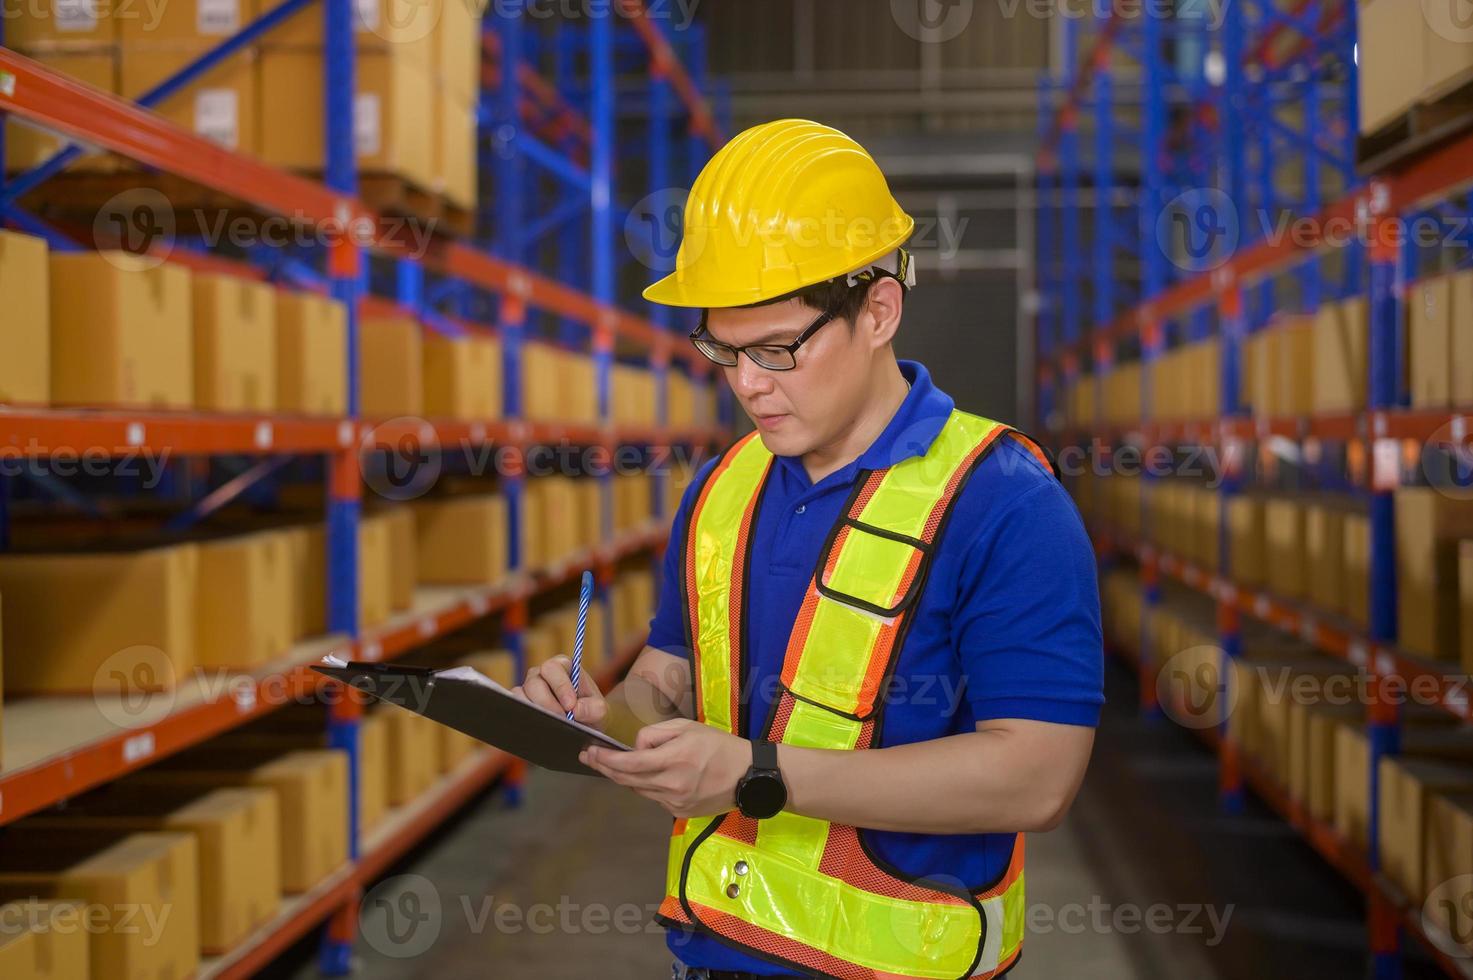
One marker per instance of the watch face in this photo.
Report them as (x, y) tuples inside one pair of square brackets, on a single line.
[(762, 795)]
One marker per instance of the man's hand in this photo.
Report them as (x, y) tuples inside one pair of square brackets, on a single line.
[(550, 686), (689, 768)]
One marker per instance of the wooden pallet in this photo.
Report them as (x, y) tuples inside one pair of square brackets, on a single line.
[(1441, 116), (82, 201)]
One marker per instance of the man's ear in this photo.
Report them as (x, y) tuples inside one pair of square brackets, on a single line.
[(882, 308)]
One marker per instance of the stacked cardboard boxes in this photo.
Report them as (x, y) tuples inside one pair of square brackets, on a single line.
[(392, 110), (462, 375), (635, 398), (462, 540), (25, 345), (559, 385), (122, 332), (1429, 524), (1341, 337), (311, 354), (234, 344), (44, 941), (1408, 60)]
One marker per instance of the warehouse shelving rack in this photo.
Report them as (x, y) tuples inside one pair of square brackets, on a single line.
[(1214, 141), (489, 284)]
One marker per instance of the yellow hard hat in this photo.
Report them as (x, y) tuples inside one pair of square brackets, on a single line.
[(783, 206)]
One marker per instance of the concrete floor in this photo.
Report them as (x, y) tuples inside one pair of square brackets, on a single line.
[(1146, 879)]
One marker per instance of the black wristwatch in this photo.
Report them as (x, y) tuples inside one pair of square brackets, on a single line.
[(761, 793)]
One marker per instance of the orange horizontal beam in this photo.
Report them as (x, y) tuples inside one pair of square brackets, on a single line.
[(114, 433), (50, 99)]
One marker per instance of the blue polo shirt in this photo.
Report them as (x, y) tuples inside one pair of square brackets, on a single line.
[(1008, 625)]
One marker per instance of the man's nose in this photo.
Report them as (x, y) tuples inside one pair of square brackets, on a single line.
[(747, 378)]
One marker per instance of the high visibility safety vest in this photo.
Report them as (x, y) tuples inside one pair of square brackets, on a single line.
[(797, 891)]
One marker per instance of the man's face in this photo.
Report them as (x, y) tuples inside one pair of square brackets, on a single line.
[(808, 407)]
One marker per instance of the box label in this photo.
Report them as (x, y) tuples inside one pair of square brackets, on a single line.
[(217, 116), (75, 15), (367, 124), (217, 16)]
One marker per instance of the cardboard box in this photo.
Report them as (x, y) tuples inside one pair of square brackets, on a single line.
[(141, 889), (201, 23), (1291, 347), (311, 787), (121, 333), (455, 166), (25, 344), (234, 344), (43, 941), (390, 379), (51, 25), (27, 146), (1357, 551), (539, 645), (1324, 552), (1405, 786), (1447, 54), (499, 665), (1462, 300), (311, 354), (463, 540), (75, 624), (246, 616), (375, 571), (1391, 47), (413, 753), (1428, 526), (403, 556), (1312, 754), (1425, 730), (1430, 342), (457, 49), (221, 105), (236, 831), (1465, 604), (308, 547), (1341, 336), (393, 126), (1449, 856), (1284, 530), (462, 375), (373, 770), (1247, 549)]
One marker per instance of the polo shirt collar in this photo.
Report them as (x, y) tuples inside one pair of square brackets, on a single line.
[(915, 425)]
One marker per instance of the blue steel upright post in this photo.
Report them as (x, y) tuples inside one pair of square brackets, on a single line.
[(346, 269), (603, 120)]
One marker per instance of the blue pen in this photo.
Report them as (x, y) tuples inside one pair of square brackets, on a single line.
[(585, 594)]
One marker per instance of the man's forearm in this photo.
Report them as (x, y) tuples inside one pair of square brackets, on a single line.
[(996, 781)]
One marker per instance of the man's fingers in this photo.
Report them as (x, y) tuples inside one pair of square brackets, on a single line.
[(555, 673), (535, 689), (639, 761), (653, 736)]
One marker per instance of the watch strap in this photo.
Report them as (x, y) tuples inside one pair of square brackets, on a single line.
[(764, 754)]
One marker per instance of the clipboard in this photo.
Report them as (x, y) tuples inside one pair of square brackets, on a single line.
[(468, 701)]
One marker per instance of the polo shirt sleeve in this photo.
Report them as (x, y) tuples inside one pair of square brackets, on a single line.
[(1027, 618), (667, 629)]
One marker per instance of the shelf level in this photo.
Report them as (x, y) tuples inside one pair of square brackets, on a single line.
[(58, 747)]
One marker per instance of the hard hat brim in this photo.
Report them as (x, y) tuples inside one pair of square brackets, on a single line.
[(670, 291)]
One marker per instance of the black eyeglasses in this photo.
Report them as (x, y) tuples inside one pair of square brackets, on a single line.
[(770, 357)]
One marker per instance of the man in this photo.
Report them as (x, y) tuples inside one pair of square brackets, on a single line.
[(877, 612)]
